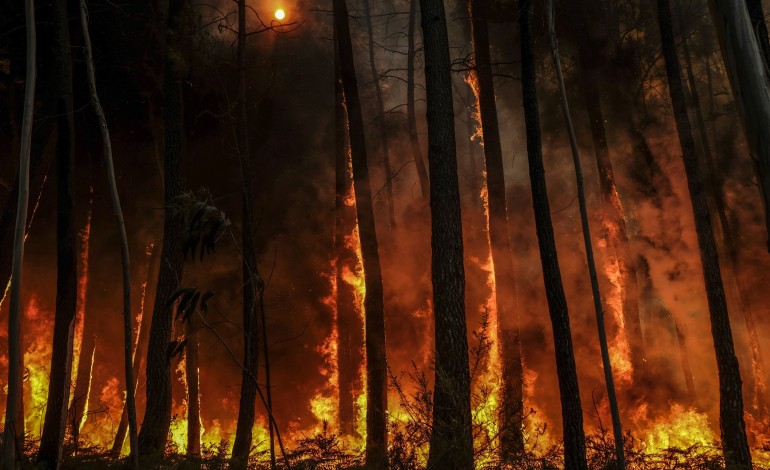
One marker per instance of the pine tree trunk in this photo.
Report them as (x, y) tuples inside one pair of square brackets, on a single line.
[(730, 246), (193, 390), (247, 406), (381, 119), (349, 325), (13, 441), (614, 230), (157, 416), (141, 349), (512, 404), (414, 141), (733, 429), (572, 414), (747, 72), (374, 330), (526, 44), (451, 443), (52, 436)]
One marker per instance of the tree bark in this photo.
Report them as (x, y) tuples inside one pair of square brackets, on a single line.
[(374, 329), (381, 119), (157, 417), (54, 426), (747, 72), (512, 404), (414, 140), (12, 448), (526, 42), (451, 443), (572, 414), (247, 406), (735, 445)]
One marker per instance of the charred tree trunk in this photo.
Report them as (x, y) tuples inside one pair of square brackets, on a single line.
[(52, 437), (451, 442), (193, 390), (572, 414), (729, 245), (348, 321), (733, 429), (374, 332), (526, 45), (419, 161), (512, 405), (140, 351), (12, 448), (381, 119), (614, 230), (747, 71), (157, 416), (247, 406)]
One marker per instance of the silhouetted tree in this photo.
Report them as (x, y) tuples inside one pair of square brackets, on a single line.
[(451, 442), (733, 429), (376, 368), (571, 411)]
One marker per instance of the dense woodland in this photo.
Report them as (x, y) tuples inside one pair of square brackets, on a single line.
[(444, 234)]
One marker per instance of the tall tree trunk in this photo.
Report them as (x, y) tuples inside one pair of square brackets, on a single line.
[(512, 404), (733, 429), (747, 72), (247, 408), (414, 141), (572, 414), (374, 329), (193, 389), (157, 416), (614, 230), (52, 437), (729, 245), (128, 341), (451, 442), (526, 43), (348, 320), (12, 448), (381, 119), (140, 350)]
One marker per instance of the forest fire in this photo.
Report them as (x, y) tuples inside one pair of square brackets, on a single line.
[(403, 286)]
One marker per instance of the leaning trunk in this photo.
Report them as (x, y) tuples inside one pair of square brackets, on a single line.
[(374, 330), (526, 45), (52, 437), (572, 414), (735, 445), (512, 405)]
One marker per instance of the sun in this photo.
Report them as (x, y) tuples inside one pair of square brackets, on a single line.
[(280, 14)]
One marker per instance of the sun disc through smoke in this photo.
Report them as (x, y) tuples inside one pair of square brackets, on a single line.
[(280, 14)]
